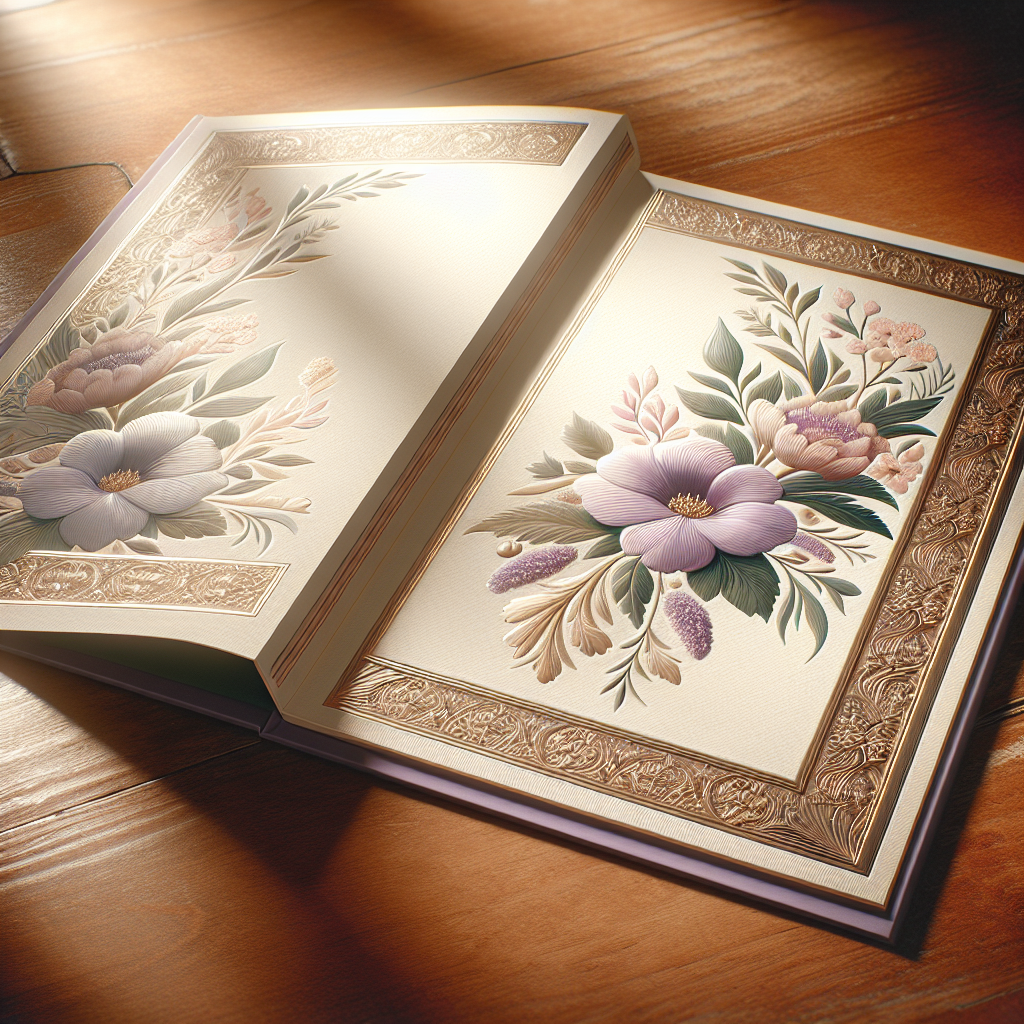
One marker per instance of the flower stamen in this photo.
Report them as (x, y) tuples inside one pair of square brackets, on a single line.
[(690, 505), (119, 481)]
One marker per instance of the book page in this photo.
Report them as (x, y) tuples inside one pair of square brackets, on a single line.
[(205, 414), (708, 579)]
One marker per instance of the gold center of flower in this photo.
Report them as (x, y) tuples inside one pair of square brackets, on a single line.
[(119, 481), (691, 506)]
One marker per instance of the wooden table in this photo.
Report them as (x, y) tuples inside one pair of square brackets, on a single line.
[(158, 866)]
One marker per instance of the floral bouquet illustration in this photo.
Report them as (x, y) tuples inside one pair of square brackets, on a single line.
[(141, 425), (753, 504)]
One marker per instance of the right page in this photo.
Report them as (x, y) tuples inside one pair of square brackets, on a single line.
[(721, 579)]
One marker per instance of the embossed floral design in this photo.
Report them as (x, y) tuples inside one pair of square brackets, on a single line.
[(109, 483), (121, 364), (898, 473), (828, 438), (681, 501)]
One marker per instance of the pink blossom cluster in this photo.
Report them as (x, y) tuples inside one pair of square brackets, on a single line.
[(691, 621), (531, 566), (898, 473), (646, 415)]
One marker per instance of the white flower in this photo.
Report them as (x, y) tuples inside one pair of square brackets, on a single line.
[(109, 482)]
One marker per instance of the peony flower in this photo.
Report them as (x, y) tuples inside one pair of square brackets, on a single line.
[(109, 482), (826, 437), (887, 340), (843, 298), (691, 621), (898, 474), (680, 501), (922, 352), (123, 363), (530, 567)]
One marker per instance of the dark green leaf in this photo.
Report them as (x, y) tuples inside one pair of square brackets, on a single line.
[(751, 584), (710, 406), (819, 368), (837, 393), (902, 412), (790, 388), (807, 300), (792, 292), (750, 376), (544, 522), (632, 588), (608, 545), (844, 511), (843, 324), (770, 389), (722, 352), (904, 429), (812, 483), (816, 618), (789, 358), (711, 382), (786, 612), (870, 405)]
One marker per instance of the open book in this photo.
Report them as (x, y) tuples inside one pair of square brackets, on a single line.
[(450, 445)]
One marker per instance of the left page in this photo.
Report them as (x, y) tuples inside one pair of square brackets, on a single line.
[(206, 408)]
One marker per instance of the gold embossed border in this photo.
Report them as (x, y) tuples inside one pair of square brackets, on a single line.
[(838, 812), (227, 155), (238, 588)]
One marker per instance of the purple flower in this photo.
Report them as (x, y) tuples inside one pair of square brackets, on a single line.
[(691, 621), (680, 501), (813, 546), (531, 566)]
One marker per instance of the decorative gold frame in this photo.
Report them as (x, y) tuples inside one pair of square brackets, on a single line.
[(837, 810)]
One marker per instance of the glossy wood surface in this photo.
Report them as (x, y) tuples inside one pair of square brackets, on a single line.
[(156, 866)]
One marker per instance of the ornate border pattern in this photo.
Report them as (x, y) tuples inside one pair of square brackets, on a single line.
[(239, 588), (878, 715), (227, 154)]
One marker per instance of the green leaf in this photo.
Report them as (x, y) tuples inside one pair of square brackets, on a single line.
[(786, 611), (902, 412), (246, 371), (21, 533), (185, 305), (201, 520), (607, 545), (172, 386), (722, 352), (785, 335), (816, 618), (545, 522), (632, 588), (750, 584), (790, 388), (770, 390), (795, 487), (750, 376), (807, 300), (223, 433), (837, 393), (789, 358), (545, 468), (792, 292), (587, 438), (819, 368), (746, 267), (711, 382), (838, 589), (572, 466), (735, 440), (777, 278), (904, 429), (711, 407), (844, 511), (228, 407)]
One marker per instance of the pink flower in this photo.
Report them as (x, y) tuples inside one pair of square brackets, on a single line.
[(203, 240), (879, 332), (825, 437), (843, 298), (221, 262), (830, 318), (871, 308), (856, 346), (691, 621), (922, 352), (831, 334), (898, 474), (680, 501)]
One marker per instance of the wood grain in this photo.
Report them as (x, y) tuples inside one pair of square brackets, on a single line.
[(157, 866)]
